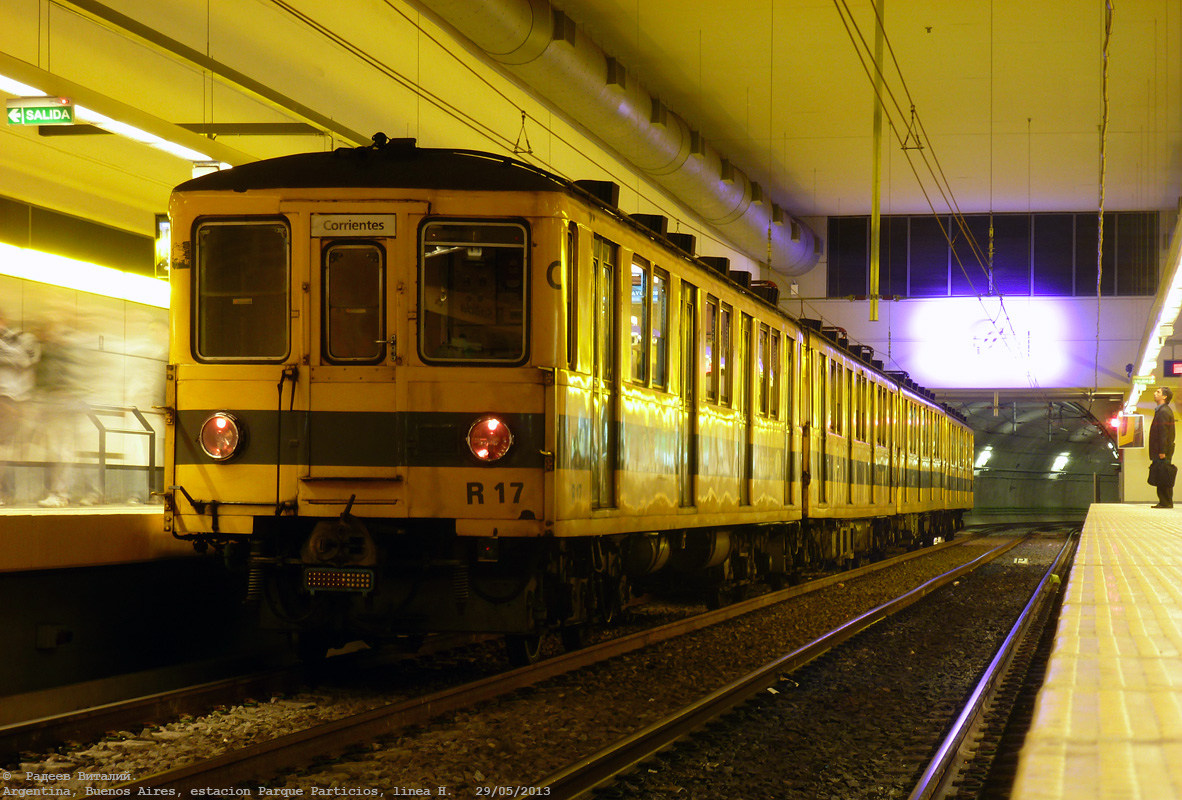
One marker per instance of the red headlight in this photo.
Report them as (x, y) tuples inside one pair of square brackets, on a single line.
[(221, 436), (489, 438)]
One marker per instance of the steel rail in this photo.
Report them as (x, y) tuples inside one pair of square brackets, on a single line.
[(50, 731), (936, 777), (601, 767), (274, 755), (160, 707)]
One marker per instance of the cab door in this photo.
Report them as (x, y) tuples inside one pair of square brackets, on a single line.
[(358, 263)]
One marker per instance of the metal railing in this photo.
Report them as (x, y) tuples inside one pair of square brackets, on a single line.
[(94, 412)]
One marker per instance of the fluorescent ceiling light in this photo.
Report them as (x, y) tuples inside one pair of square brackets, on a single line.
[(135, 134), (33, 265), (19, 89), (106, 123)]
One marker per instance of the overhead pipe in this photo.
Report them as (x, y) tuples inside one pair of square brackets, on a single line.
[(542, 45)]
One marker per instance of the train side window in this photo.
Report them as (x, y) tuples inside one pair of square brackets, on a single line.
[(881, 427), (836, 386), (774, 376), (763, 366), (354, 319), (789, 373), (242, 290), (868, 418), (710, 344), (660, 325), (804, 381), (724, 355), (851, 393), (572, 295), (864, 401), (859, 405), (746, 364), (824, 366), (640, 320), (473, 292)]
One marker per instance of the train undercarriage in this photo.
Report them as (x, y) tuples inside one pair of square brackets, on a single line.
[(329, 582)]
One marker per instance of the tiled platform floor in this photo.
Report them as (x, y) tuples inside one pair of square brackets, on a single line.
[(1108, 721)]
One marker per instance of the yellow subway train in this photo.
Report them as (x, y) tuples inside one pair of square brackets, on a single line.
[(423, 390)]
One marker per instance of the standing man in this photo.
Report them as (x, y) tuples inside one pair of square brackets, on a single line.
[(1161, 444)]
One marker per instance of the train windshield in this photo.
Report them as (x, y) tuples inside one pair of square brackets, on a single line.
[(242, 288), (472, 292)]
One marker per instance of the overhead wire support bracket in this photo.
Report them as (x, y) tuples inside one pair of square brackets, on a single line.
[(911, 129), (517, 148)]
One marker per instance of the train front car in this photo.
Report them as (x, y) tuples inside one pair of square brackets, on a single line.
[(358, 410)]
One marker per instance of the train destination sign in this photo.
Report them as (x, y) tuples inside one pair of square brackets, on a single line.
[(352, 225), (40, 111)]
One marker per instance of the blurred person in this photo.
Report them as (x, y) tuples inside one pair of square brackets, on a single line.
[(1161, 446), (19, 353), (60, 391)]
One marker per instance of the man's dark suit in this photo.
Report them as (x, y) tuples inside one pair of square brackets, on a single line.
[(1161, 440)]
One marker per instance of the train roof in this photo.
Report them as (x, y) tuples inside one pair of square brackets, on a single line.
[(394, 163)]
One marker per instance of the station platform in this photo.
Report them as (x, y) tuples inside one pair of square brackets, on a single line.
[(1108, 719), (34, 538)]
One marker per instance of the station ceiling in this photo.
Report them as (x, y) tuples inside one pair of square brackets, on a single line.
[(990, 105)]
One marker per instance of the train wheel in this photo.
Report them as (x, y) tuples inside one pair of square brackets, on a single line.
[(523, 650), (575, 637)]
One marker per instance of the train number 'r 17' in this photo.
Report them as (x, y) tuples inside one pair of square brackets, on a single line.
[(500, 491)]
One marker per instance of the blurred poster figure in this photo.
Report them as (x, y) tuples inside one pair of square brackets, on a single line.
[(61, 390), (19, 354)]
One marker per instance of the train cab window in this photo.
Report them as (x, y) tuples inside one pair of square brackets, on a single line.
[(710, 343), (660, 322), (640, 321), (472, 288), (241, 294), (724, 354), (354, 289)]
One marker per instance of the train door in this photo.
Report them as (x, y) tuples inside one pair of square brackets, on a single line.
[(808, 423), (746, 409), (688, 390), (786, 412), (603, 375), (825, 409), (351, 350), (854, 404), (872, 429), (893, 447)]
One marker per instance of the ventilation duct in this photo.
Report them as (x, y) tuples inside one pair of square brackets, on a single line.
[(543, 47)]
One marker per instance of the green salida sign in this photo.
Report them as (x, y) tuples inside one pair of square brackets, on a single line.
[(40, 111)]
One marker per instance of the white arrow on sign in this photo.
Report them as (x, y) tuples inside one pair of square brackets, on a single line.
[(15, 116)]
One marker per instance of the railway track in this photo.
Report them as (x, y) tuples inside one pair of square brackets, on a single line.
[(268, 758), (660, 761)]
